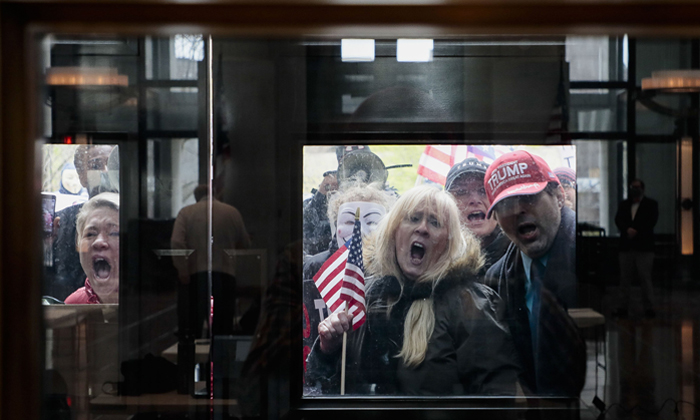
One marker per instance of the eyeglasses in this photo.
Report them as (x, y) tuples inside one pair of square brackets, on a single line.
[(511, 204), (460, 192)]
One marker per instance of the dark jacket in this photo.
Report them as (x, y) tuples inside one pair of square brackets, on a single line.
[(644, 221), (317, 228), (497, 245), (69, 273), (469, 353), (558, 366)]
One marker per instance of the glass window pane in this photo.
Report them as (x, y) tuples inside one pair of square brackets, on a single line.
[(599, 59), (652, 120), (598, 110), (175, 58), (225, 218), (601, 170), (174, 108), (659, 184)]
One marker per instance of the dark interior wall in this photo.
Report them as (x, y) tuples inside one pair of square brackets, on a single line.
[(262, 118)]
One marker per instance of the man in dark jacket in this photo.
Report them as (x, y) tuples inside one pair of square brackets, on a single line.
[(465, 182), (636, 218), (536, 277), (317, 228)]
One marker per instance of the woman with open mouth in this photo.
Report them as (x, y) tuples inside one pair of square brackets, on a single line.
[(97, 240), (431, 328)]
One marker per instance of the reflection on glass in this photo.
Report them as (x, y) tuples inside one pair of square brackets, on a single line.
[(597, 58), (594, 110), (72, 175), (174, 58)]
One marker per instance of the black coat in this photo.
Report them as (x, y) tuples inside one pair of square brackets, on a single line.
[(558, 366), (317, 228), (469, 352), (644, 221), (496, 248), (69, 275)]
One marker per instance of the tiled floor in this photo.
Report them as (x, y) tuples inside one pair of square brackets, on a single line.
[(647, 368)]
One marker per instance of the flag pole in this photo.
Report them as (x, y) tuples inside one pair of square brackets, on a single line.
[(345, 334), (342, 362)]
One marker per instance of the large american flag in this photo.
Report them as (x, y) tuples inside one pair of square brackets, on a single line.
[(341, 278), (436, 160)]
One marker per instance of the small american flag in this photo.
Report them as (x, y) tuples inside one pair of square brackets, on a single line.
[(341, 278)]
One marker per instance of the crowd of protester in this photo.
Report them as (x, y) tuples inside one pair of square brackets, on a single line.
[(467, 288)]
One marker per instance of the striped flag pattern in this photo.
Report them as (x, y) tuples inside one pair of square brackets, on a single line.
[(341, 278), (436, 161), (353, 291)]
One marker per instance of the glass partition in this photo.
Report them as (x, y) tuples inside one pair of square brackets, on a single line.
[(198, 189)]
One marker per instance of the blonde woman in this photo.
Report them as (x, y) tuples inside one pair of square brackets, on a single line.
[(431, 328)]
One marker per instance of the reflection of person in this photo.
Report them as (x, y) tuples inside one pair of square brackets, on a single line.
[(465, 182), (191, 232), (97, 240), (567, 178), (317, 230), (91, 165), (636, 217), (431, 329), (536, 277), (373, 204), (70, 181)]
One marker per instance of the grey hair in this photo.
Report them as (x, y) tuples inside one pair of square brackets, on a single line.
[(104, 200)]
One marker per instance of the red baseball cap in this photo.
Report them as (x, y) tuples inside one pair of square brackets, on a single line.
[(516, 173)]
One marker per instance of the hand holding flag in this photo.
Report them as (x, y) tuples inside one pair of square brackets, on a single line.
[(341, 278), (341, 282)]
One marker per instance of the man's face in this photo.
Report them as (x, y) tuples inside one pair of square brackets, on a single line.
[(636, 190), (92, 165), (531, 221), (473, 204)]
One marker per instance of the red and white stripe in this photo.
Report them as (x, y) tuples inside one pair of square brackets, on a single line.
[(329, 279)]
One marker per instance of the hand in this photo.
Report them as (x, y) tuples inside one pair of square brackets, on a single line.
[(329, 183), (631, 232), (331, 330)]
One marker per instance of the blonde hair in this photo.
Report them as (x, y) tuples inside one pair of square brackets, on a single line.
[(357, 191), (462, 252), (107, 199)]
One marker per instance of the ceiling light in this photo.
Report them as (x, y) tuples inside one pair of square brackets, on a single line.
[(414, 50), (675, 81), (85, 76), (357, 50)]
